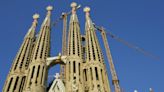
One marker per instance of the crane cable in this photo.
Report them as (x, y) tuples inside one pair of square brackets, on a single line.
[(132, 46), (141, 50)]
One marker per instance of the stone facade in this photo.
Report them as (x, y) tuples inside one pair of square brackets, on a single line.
[(84, 67)]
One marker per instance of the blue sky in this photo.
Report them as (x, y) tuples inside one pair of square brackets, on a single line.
[(140, 22)]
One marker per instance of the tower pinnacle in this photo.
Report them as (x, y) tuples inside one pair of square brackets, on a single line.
[(47, 20), (88, 20), (87, 9), (49, 8), (35, 16), (31, 31), (74, 6)]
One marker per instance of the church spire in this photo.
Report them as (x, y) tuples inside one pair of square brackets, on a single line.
[(17, 75), (94, 69), (73, 66), (74, 37), (37, 77), (93, 51), (42, 43)]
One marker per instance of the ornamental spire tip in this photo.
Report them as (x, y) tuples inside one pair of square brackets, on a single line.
[(35, 16), (49, 8), (73, 4), (87, 9)]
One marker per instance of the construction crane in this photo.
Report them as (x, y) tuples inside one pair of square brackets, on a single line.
[(104, 34), (64, 37), (141, 50), (115, 80), (64, 43)]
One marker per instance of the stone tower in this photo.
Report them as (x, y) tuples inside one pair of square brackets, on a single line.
[(95, 75), (18, 72), (37, 72), (84, 67), (73, 65)]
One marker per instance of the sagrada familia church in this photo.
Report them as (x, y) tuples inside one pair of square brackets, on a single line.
[(83, 68)]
